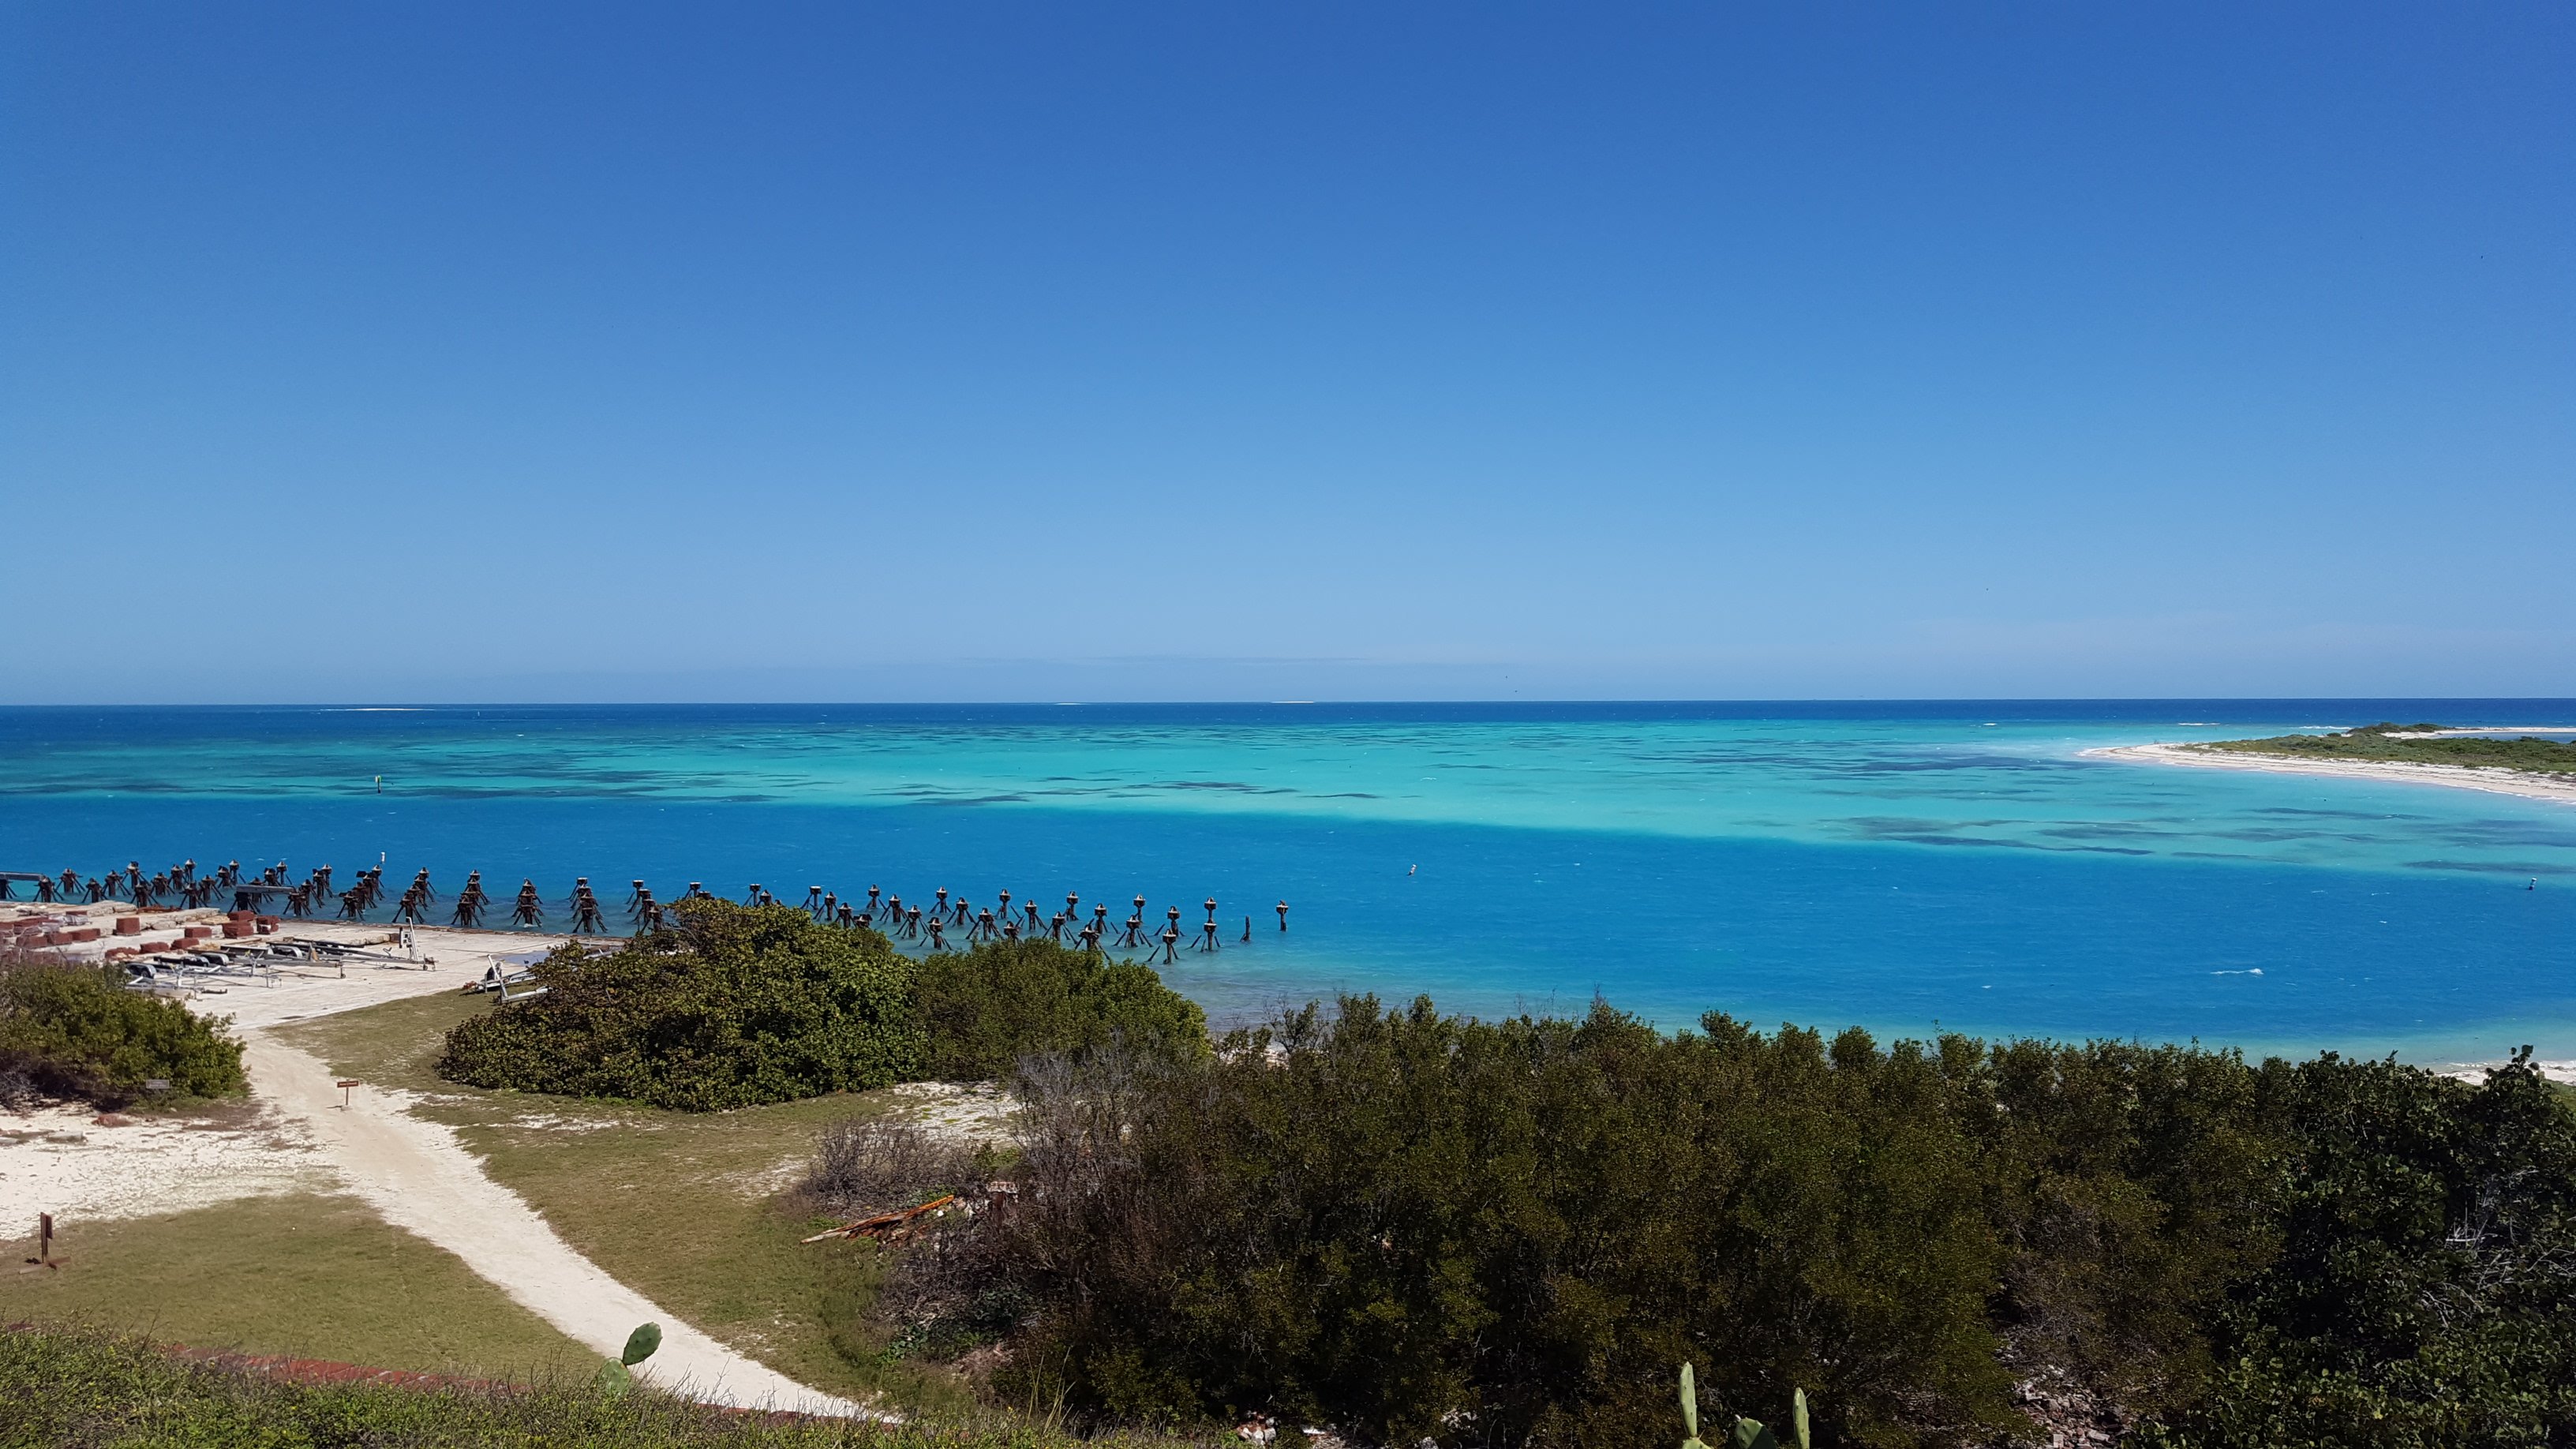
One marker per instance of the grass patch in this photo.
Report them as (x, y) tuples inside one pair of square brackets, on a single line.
[(304, 1274), (87, 1390), (689, 1208)]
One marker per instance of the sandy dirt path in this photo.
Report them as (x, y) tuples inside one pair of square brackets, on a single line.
[(420, 1178)]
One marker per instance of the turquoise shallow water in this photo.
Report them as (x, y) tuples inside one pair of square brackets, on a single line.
[(1894, 865)]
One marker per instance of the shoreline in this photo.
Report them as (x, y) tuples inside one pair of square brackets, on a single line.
[(2458, 777)]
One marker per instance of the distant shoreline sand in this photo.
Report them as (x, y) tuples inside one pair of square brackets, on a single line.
[(2458, 777)]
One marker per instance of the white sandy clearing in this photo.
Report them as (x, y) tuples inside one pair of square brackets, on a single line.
[(2463, 777), (56, 1160), (972, 1113)]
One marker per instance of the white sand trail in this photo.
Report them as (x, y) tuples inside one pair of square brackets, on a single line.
[(417, 1175)]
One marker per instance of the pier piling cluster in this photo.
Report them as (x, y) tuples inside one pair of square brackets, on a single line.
[(946, 921)]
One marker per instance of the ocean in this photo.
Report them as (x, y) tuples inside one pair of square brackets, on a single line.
[(1906, 867)]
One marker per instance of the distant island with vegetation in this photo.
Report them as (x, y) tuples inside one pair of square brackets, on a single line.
[(2499, 761), (2417, 744)]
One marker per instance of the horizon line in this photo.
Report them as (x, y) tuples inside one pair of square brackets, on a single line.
[(380, 706)]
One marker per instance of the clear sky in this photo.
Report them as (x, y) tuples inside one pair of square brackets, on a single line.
[(1214, 351)]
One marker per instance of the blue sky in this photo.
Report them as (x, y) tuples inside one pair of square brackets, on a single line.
[(1049, 352)]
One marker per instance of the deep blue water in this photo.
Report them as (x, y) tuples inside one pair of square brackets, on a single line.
[(1895, 865)]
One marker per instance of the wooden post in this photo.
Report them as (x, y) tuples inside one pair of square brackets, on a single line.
[(344, 1094), (45, 1238)]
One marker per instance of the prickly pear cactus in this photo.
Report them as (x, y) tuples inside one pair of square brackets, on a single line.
[(616, 1376), (1690, 1410), (1748, 1433)]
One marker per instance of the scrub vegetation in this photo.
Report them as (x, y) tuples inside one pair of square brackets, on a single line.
[(1415, 1227), (75, 1032), (2381, 742), (736, 1006)]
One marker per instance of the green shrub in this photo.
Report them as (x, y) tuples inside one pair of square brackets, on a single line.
[(75, 1031), (732, 1007), (984, 1009), (738, 1005)]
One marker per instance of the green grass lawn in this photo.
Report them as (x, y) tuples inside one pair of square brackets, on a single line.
[(311, 1275), (689, 1209)]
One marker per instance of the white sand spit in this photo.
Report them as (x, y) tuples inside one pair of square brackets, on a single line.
[(2460, 777)]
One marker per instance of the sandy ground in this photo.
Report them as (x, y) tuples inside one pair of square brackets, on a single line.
[(2500, 782), (58, 1160), (415, 1173), (970, 1113)]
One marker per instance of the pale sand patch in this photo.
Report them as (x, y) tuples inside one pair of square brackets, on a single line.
[(774, 1179), (162, 1166), (974, 1113), (2462, 777), (54, 1160)]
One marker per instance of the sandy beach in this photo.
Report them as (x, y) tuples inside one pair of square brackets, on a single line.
[(2458, 777)]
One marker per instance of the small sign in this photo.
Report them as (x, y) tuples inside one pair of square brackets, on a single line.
[(156, 1084), (344, 1085)]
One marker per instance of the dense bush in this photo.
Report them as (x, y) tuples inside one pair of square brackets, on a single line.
[(75, 1031), (2424, 1294), (735, 1005), (983, 1010), (731, 1007), (1505, 1233)]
